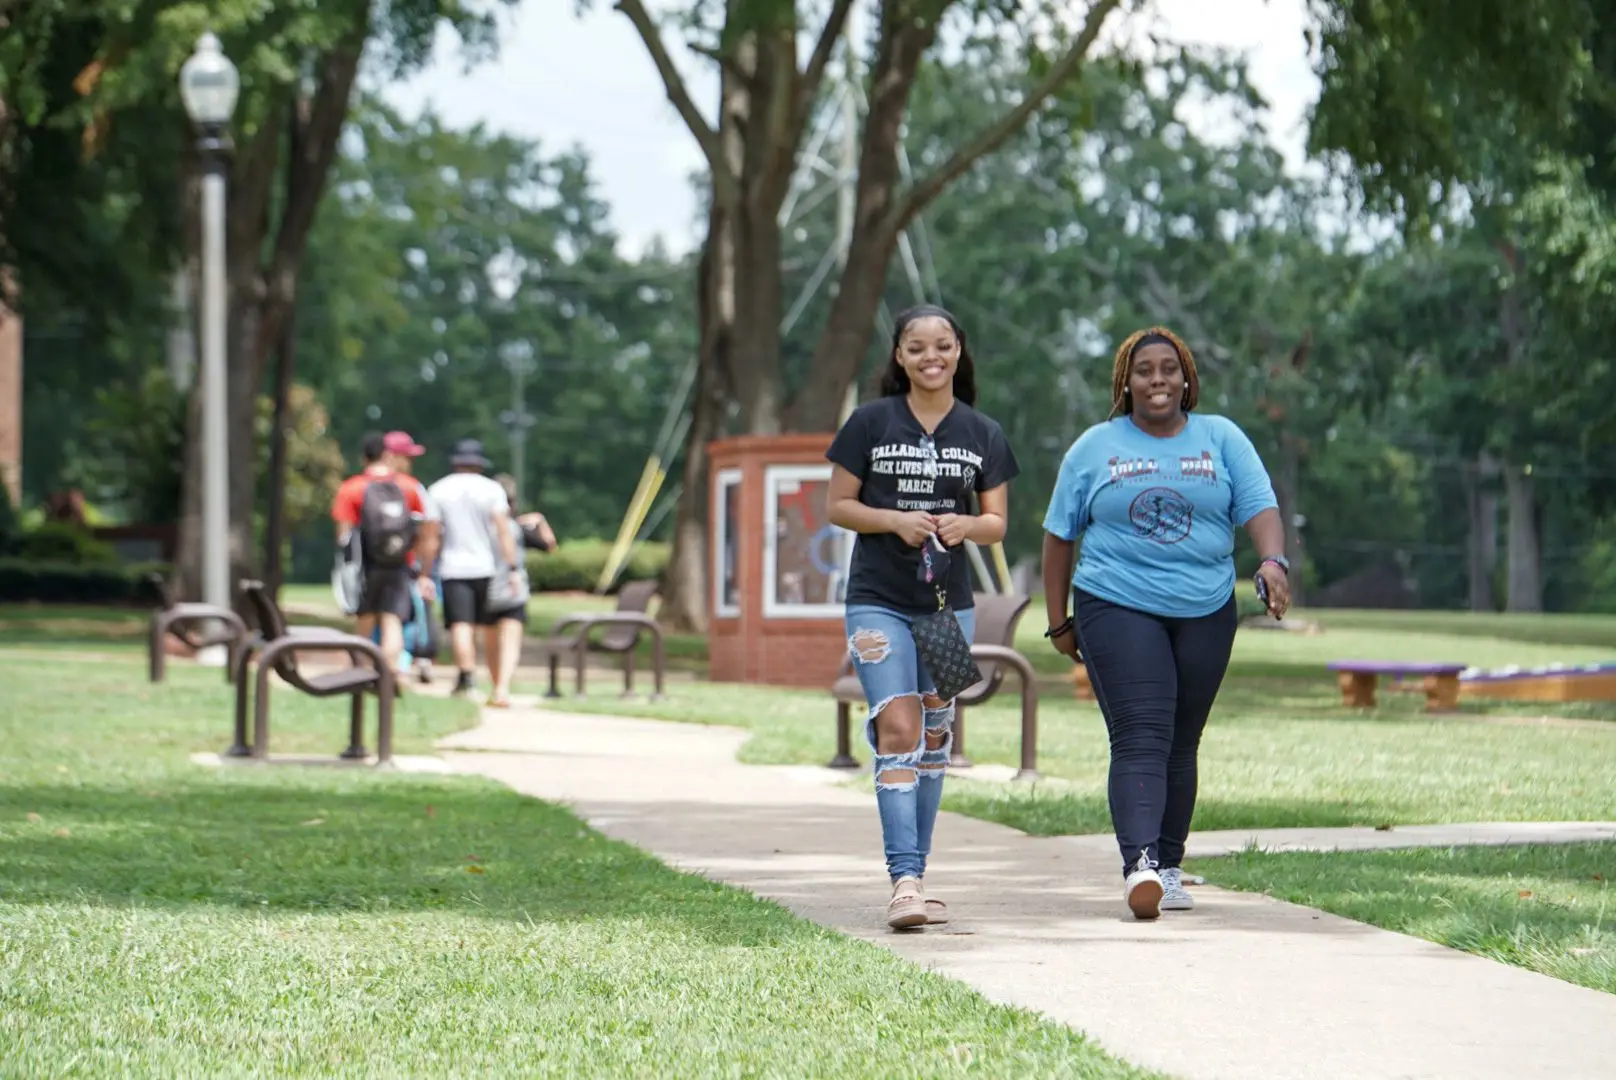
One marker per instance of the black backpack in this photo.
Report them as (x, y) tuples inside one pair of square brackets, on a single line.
[(386, 526)]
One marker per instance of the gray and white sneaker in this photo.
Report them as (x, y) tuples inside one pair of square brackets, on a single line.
[(1142, 889), (1174, 896)]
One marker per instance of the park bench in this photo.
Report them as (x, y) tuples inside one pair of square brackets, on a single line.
[(195, 625), (278, 648), (1359, 678), (570, 636), (992, 644)]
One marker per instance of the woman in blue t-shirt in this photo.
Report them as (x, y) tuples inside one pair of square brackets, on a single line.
[(1156, 493)]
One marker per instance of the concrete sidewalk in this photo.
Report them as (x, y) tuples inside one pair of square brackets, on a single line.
[(1244, 986)]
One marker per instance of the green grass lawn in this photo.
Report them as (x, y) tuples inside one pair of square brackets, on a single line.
[(1548, 907), (1279, 750), (162, 918)]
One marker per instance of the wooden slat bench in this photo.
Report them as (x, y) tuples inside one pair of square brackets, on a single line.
[(1358, 680)]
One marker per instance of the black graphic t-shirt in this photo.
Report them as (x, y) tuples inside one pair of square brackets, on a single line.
[(903, 469)]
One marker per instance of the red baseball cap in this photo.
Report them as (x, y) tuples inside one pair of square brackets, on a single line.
[(400, 442)]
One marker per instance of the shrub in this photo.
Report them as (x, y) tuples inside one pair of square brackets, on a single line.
[(25, 581), (576, 565), (60, 542)]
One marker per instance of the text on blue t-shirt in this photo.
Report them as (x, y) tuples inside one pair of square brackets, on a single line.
[(1157, 516)]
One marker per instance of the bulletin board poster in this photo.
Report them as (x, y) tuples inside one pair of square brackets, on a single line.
[(805, 557)]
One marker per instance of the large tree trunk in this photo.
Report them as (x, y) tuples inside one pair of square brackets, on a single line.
[(740, 297), (1525, 572), (1483, 509), (876, 224), (684, 582), (908, 30), (1525, 569)]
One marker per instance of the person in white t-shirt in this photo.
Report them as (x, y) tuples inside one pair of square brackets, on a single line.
[(476, 543)]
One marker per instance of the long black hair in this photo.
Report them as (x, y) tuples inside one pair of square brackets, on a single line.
[(894, 380)]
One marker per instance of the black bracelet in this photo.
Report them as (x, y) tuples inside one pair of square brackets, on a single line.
[(1057, 631)]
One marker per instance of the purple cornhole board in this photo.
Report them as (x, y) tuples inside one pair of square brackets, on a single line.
[(1392, 667)]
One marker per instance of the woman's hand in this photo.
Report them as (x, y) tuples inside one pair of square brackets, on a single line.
[(914, 527), (953, 529), (1065, 643), (1279, 588)]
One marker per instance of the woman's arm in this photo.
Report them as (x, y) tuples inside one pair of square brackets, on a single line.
[(847, 511), (1267, 532), (1059, 556), (988, 526)]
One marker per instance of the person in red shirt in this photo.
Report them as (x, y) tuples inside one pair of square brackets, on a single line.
[(386, 597)]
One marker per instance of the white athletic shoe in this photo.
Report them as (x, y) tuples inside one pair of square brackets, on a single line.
[(1174, 896), (1142, 891)]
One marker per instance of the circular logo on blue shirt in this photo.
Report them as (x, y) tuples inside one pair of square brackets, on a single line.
[(1161, 514)]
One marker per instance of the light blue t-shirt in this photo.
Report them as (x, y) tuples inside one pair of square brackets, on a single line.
[(1157, 516)]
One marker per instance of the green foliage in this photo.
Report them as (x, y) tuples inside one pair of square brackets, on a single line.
[(400, 326), (31, 580), (132, 448), (1415, 92), (576, 565), (63, 543), (314, 465)]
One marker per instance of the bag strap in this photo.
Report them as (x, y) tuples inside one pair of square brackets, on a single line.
[(931, 576)]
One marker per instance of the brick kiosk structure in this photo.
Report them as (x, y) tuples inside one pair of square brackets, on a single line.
[(778, 566)]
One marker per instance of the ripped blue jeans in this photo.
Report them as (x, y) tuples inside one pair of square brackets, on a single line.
[(908, 786)]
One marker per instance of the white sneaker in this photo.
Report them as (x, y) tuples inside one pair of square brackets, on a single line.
[(1174, 896), (1142, 891)]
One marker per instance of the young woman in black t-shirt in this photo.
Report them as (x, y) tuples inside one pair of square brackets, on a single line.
[(905, 465)]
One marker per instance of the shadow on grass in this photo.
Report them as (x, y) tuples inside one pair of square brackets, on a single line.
[(290, 840)]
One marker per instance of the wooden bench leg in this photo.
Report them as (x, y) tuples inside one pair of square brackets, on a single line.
[(1441, 693), (844, 748), (1358, 689)]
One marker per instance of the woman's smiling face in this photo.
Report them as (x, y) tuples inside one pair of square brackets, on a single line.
[(1156, 382)]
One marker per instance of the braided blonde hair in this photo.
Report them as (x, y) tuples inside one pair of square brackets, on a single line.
[(1120, 399)]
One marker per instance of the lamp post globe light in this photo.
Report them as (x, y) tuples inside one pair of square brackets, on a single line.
[(209, 85)]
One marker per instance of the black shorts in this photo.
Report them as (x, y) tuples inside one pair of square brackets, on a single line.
[(387, 592), (465, 600), (515, 614)]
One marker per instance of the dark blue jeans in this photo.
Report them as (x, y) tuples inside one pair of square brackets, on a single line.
[(1155, 679)]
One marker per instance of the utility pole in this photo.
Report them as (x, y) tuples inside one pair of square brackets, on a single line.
[(519, 361)]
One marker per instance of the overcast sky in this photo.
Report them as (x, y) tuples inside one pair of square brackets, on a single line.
[(585, 80)]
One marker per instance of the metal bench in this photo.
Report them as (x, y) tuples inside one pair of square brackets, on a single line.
[(1358, 680), (570, 636), (992, 644), (196, 625), (278, 647)]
